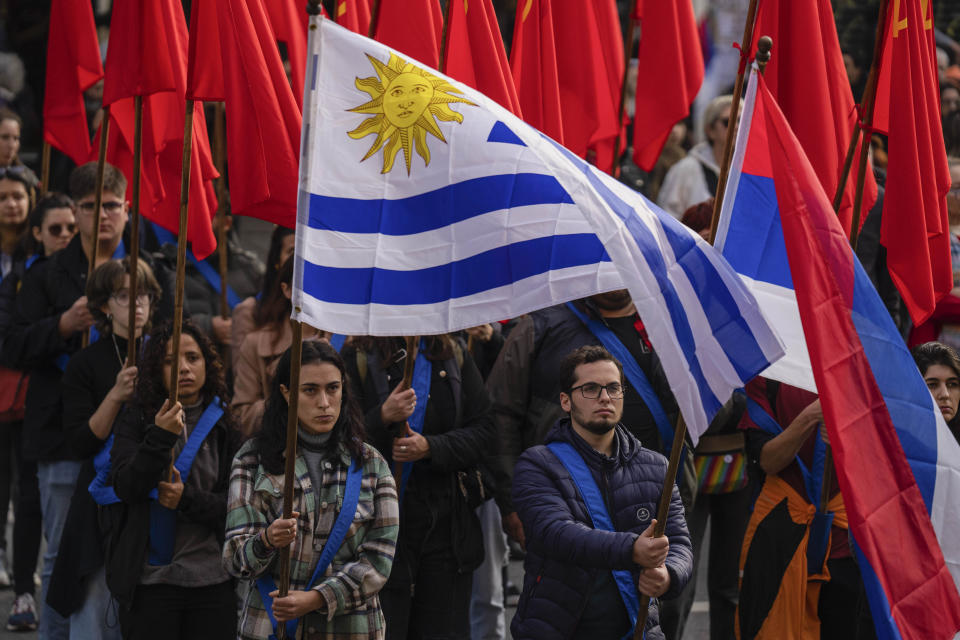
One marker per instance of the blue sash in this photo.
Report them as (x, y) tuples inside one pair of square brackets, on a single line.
[(163, 521), (587, 487), (422, 370), (819, 538), (100, 489), (351, 496), (634, 373), (337, 340), (212, 276)]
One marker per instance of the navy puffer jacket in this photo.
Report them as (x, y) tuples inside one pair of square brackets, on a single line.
[(564, 553)]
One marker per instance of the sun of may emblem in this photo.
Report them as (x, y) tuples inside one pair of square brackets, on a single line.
[(405, 103)]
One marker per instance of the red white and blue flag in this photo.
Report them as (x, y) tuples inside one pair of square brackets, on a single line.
[(897, 463)]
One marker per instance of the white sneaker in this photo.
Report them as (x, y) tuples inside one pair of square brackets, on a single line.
[(4, 576), (23, 614)]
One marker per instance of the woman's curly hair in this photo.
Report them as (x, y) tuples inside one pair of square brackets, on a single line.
[(151, 385), (271, 443)]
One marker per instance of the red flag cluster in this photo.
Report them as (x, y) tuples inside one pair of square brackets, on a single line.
[(138, 30)]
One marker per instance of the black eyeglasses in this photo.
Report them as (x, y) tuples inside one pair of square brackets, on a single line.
[(592, 390), (57, 229), (109, 207)]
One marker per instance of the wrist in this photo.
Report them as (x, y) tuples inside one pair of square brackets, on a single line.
[(265, 539)]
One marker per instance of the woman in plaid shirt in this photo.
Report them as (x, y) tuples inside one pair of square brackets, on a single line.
[(343, 604)]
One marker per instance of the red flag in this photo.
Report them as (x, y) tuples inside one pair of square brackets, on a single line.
[(73, 66), (611, 39), (533, 60), (412, 27), (852, 344), (807, 77), (163, 119), (290, 21), (589, 109), (915, 229), (204, 68), (669, 74), (475, 54), (354, 15), (263, 119)]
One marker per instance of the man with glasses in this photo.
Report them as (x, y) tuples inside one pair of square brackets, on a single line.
[(50, 318), (588, 499)]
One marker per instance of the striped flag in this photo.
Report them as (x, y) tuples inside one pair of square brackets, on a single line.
[(425, 208), (897, 463)]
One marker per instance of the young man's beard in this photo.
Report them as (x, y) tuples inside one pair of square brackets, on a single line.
[(599, 427)]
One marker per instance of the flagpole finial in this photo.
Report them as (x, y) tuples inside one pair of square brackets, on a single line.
[(764, 45), (314, 7)]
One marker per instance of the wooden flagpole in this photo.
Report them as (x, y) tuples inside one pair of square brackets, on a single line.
[(374, 19), (627, 51), (98, 203), (293, 421), (745, 45), (442, 65), (44, 168), (867, 101), (134, 252), (867, 104), (412, 344), (290, 457), (181, 251), (663, 507)]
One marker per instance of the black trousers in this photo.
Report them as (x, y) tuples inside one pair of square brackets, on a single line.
[(27, 530), (164, 611), (426, 597)]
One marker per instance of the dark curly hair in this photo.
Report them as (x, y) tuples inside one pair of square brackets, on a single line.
[(271, 443), (151, 385)]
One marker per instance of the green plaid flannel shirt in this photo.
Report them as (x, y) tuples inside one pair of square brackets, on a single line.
[(360, 567)]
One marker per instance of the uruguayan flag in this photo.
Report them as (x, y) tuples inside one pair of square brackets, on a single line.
[(426, 208)]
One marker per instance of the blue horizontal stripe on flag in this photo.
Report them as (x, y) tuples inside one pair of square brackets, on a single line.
[(435, 209), (754, 245), (726, 322), (484, 271), (904, 391), (654, 259)]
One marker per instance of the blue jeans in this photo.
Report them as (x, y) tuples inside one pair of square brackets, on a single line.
[(487, 620), (97, 618), (57, 480)]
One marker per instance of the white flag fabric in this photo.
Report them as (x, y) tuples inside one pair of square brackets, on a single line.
[(426, 208)]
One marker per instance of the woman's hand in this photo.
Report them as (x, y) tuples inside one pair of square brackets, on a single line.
[(282, 532), (169, 493), (122, 390), (411, 447), (483, 332), (398, 406), (170, 418), (295, 604)]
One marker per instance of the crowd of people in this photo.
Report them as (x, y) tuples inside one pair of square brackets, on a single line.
[(542, 437)]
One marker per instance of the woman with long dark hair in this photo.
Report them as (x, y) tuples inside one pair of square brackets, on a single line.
[(163, 561), (439, 449), (345, 501)]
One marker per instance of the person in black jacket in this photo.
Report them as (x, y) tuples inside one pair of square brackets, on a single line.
[(50, 317), (428, 593), (163, 554), (97, 383), (591, 554), (50, 227)]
